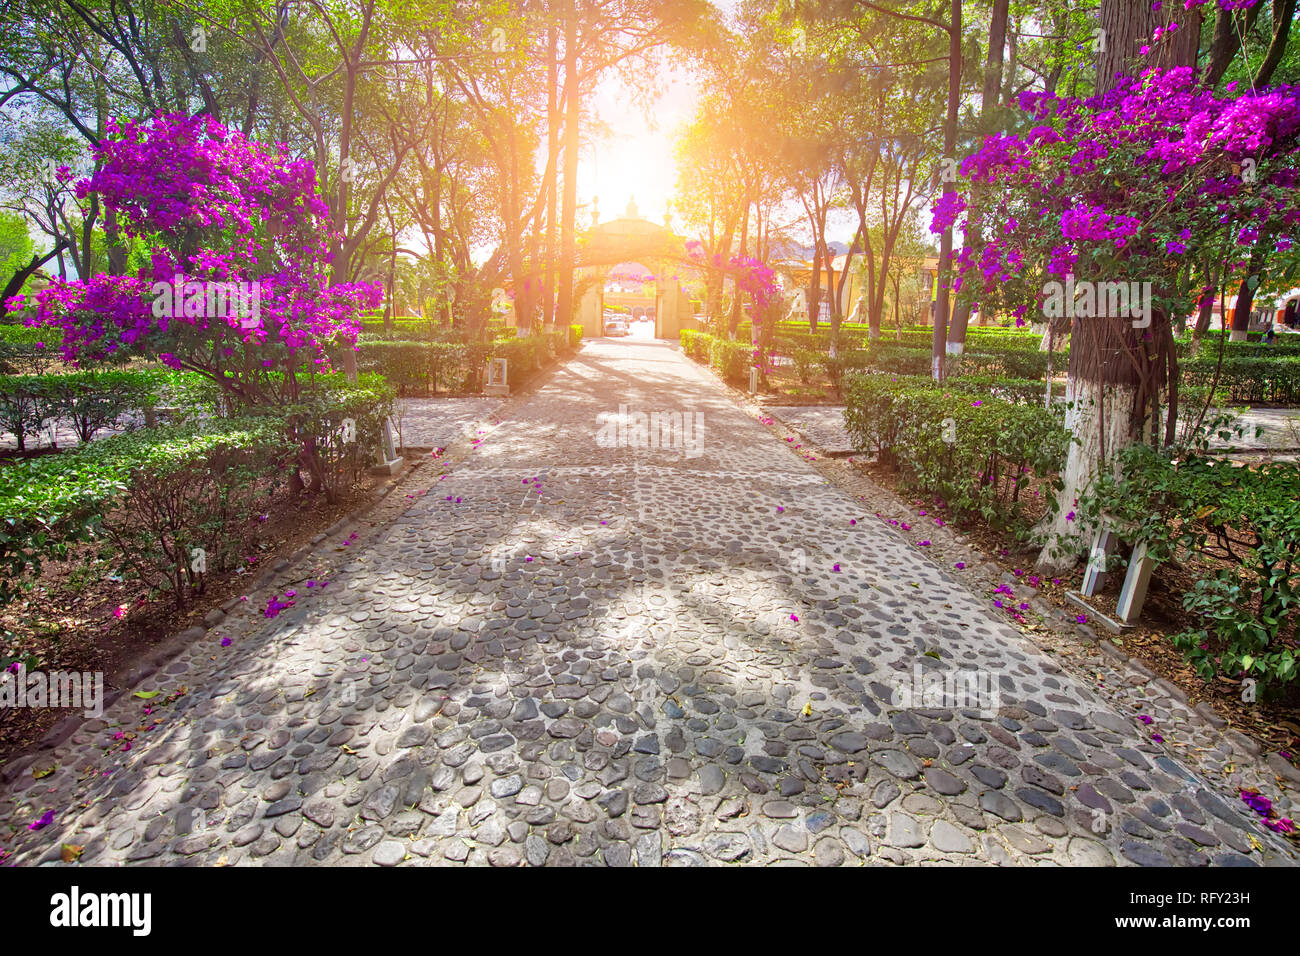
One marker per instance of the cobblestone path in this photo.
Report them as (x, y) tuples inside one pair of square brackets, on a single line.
[(572, 653)]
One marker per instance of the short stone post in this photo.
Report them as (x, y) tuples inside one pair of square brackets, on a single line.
[(1104, 543), (496, 383), (389, 462), (1133, 594)]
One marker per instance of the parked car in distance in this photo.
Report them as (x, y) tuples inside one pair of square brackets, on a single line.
[(616, 327)]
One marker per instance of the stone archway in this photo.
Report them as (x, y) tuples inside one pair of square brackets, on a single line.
[(633, 239)]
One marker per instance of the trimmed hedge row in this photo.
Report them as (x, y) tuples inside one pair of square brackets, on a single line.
[(731, 359), (154, 495), (975, 451), (1184, 502), (1247, 380), (418, 367), (90, 400), (25, 351)]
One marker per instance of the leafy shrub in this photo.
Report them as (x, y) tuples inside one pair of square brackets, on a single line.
[(151, 492), (805, 360), (23, 409), (899, 360), (95, 400), (1246, 380), (27, 351), (731, 360), (522, 355), (1022, 391), (334, 454), (575, 336), (414, 367), (190, 499), (844, 361), (90, 400), (977, 453), (1182, 502), (696, 345)]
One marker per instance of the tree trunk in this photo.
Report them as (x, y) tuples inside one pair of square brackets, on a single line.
[(1114, 379), (1241, 310), (1283, 14), (1101, 416), (568, 241), (1127, 24), (940, 342), (1102, 388), (553, 155), (988, 103)]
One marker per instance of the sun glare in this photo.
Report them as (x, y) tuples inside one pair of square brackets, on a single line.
[(633, 160)]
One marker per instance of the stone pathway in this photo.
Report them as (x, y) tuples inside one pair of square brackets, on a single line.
[(1280, 429), (823, 425), (575, 650), (438, 422)]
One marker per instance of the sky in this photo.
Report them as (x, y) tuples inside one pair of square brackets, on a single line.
[(635, 159)]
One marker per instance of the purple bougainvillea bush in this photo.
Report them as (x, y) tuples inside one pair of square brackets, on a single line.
[(1155, 175), (228, 244)]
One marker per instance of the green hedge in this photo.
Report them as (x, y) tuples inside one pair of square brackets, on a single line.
[(977, 453), (26, 351), (844, 361), (1288, 346), (415, 366), (1247, 380), (418, 367), (90, 400), (695, 345), (121, 488), (1182, 503), (154, 494), (731, 359)]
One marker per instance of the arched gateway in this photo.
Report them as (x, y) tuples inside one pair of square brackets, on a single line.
[(628, 239)]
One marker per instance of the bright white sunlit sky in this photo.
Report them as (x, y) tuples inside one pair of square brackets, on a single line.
[(634, 157)]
